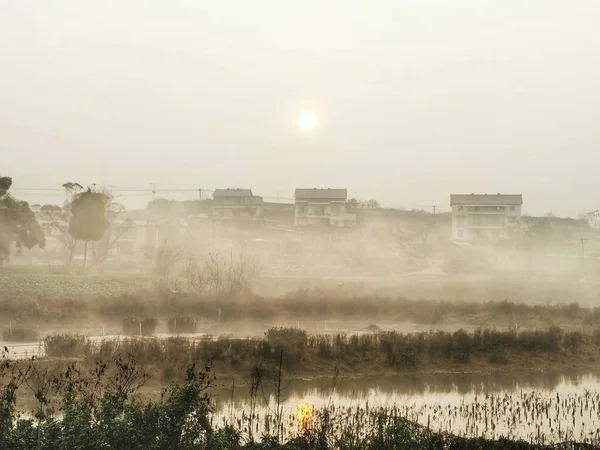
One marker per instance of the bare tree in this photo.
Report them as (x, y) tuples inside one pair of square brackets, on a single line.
[(220, 275), (194, 273), (241, 272), (117, 228), (164, 260), (55, 223), (55, 219), (215, 269)]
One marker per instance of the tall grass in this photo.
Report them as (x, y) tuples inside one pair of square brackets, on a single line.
[(301, 352), (67, 345)]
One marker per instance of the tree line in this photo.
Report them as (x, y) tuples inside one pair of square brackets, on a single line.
[(87, 215)]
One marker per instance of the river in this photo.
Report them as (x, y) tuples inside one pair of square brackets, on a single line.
[(542, 407)]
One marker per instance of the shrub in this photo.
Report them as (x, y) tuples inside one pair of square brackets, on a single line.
[(461, 346), (573, 340), (20, 334), (373, 328), (292, 341), (398, 349), (498, 357), (596, 336), (135, 326), (66, 345), (182, 324)]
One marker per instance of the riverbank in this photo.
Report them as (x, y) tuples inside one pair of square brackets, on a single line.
[(298, 354), (107, 408)]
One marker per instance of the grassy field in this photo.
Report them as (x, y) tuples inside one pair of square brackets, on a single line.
[(38, 284), (49, 302)]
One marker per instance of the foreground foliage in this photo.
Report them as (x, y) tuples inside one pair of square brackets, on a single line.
[(100, 408)]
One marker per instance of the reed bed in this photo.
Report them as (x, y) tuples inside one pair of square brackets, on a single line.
[(534, 418)]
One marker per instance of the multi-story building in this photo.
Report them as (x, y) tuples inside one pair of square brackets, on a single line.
[(484, 216), (322, 207), (236, 203)]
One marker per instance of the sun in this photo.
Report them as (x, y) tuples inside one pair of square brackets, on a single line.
[(303, 413), (307, 121)]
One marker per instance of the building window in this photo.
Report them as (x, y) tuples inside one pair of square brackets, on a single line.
[(486, 208), (460, 233), (460, 208), (512, 208), (512, 220), (461, 220)]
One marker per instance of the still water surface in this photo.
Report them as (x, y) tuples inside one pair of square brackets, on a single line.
[(537, 407)]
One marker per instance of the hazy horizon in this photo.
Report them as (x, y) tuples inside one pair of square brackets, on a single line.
[(413, 100)]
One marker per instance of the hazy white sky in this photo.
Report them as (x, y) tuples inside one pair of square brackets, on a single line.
[(414, 99)]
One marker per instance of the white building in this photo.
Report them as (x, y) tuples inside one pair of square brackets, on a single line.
[(322, 207), (236, 203), (484, 216)]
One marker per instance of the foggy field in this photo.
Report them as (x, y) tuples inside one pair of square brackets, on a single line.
[(97, 304), (131, 332)]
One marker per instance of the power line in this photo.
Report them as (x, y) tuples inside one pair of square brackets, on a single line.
[(115, 189)]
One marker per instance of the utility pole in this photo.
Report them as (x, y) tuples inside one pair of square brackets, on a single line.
[(434, 209), (582, 240), (200, 193), (153, 190)]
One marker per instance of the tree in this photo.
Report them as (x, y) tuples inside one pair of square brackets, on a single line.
[(18, 224), (55, 223), (352, 203), (56, 219), (371, 204), (88, 217), (117, 227), (365, 204)]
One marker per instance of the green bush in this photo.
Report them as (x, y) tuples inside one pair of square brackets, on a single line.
[(134, 326)]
